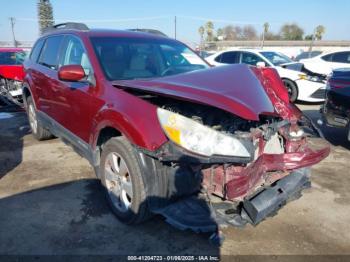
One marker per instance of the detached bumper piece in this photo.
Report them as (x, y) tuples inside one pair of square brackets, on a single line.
[(270, 200), (197, 214)]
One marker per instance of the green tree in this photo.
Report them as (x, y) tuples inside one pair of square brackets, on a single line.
[(291, 32), (319, 31), (308, 37), (209, 27), (45, 15)]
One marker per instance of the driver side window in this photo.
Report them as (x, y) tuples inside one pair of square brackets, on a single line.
[(75, 54)]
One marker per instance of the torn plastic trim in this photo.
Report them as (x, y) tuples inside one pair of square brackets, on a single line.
[(270, 200)]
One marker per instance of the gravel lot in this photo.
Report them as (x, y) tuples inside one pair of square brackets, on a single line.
[(51, 203)]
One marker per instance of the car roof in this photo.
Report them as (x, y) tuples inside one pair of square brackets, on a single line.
[(11, 49), (332, 52), (105, 33)]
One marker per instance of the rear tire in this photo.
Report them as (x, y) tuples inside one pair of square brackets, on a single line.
[(38, 131), (292, 89), (123, 181)]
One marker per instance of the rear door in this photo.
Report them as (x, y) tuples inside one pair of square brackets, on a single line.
[(340, 60), (44, 75), (76, 101)]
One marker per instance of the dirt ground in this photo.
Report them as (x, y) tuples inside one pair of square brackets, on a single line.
[(51, 203)]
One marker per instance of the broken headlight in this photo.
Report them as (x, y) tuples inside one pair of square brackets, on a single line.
[(198, 138), (311, 78)]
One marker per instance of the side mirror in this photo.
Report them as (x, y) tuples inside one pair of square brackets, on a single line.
[(261, 64), (71, 73)]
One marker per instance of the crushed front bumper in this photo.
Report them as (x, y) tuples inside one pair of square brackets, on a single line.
[(197, 214), (237, 182)]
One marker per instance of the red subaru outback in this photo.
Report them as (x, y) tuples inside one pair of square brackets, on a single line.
[(165, 133)]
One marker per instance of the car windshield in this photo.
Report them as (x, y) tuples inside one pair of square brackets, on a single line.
[(12, 58), (135, 58), (276, 58)]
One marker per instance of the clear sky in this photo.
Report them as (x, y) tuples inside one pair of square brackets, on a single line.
[(159, 14)]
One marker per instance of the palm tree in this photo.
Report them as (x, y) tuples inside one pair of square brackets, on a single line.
[(319, 31), (209, 27), (201, 32), (266, 26), (317, 35)]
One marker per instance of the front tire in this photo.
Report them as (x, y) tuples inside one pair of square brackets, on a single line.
[(292, 89), (38, 131), (123, 181)]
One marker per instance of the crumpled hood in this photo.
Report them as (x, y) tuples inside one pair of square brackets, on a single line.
[(233, 88)]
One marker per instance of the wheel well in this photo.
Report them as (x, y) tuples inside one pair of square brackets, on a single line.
[(284, 78), (25, 95), (105, 134)]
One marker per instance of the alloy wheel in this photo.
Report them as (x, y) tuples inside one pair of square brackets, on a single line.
[(32, 119), (118, 182)]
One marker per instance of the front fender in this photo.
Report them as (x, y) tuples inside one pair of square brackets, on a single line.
[(139, 125)]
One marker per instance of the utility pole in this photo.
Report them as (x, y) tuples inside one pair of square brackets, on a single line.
[(263, 40), (12, 21), (175, 26)]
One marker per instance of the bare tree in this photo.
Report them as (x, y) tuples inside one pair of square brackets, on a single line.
[(249, 33), (228, 32), (220, 33), (45, 14), (291, 32)]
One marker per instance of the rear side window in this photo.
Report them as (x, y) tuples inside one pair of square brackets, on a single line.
[(341, 57), (49, 55), (327, 58), (229, 58), (218, 58), (34, 55)]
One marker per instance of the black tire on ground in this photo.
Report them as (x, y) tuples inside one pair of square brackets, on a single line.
[(292, 89), (120, 165), (38, 131)]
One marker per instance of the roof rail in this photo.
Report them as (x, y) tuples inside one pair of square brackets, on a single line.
[(68, 25)]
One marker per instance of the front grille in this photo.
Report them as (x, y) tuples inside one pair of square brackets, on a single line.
[(319, 94)]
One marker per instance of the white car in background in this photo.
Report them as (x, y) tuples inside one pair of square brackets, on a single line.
[(325, 63), (302, 84)]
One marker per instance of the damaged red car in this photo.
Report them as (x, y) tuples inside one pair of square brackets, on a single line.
[(11, 72), (167, 134)]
